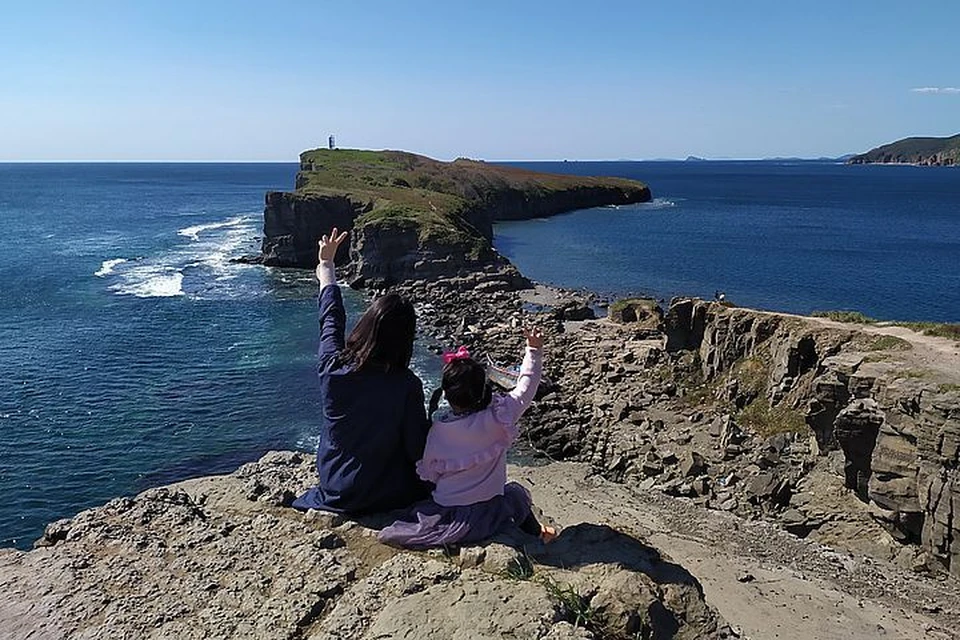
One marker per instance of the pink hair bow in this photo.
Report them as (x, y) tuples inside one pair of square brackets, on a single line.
[(459, 354)]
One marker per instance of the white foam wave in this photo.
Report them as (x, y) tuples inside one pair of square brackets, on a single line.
[(194, 232), (199, 267), (151, 281), (658, 203), (106, 268)]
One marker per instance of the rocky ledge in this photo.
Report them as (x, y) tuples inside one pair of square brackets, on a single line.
[(414, 217), (842, 435), (740, 409), (708, 465), (225, 557)]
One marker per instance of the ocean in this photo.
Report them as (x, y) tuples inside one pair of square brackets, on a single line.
[(796, 236), (134, 353)]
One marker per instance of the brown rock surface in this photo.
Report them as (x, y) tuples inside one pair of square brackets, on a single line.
[(221, 557)]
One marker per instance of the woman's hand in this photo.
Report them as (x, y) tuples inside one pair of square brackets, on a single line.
[(329, 245), (534, 336)]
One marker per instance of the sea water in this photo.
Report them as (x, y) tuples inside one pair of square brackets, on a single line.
[(795, 236), (133, 352)]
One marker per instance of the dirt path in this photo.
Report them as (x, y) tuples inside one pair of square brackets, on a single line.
[(798, 589), (933, 353)]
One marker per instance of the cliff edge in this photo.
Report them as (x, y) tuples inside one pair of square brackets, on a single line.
[(225, 557), (924, 151), (413, 217)]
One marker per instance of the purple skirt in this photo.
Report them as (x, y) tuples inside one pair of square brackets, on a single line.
[(428, 524)]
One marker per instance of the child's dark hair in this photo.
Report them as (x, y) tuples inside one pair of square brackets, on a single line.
[(383, 337), (464, 385)]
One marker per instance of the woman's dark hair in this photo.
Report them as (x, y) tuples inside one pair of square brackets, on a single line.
[(465, 385), (383, 337)]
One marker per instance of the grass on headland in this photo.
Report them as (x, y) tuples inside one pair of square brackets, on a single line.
[(936, 329), (853, 317), (889, 343), (406, 190)]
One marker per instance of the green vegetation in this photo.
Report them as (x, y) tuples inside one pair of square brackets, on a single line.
[(854, 317), (948, 387), (575, 606), (753, 374), (700, 395), (447, 202), (441, 226), (889, 343), (766, 421), (914, 150), (936, 329), (519, 568), (620, 305)]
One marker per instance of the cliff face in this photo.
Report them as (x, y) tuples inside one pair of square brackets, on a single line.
[(414, 217), (890, 405), (292, 225), (933, 152), (394, 254)]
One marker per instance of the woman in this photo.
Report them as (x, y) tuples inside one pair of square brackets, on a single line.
[(373, 424)]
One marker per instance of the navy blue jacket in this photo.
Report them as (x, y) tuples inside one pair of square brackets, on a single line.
[(372, 430)]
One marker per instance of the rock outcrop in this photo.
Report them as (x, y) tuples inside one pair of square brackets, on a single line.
[(223, 557), (743, 409), (292, 224), (412, 217)]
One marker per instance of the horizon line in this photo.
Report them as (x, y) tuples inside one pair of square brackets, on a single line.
[(559, 160)]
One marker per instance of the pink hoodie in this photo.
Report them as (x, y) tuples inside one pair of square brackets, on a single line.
[(466, 455)]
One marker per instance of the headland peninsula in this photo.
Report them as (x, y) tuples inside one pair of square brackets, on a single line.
[(716, 471), (921, 151)]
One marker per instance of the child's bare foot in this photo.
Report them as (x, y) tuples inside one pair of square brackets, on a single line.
[(547, 533)]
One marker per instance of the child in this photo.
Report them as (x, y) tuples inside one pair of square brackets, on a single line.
[(465, 457)]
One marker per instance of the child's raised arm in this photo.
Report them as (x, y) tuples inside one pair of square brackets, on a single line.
[(516, 402)]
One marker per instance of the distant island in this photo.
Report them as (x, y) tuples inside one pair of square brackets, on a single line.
[(412, 217), (932, 152)]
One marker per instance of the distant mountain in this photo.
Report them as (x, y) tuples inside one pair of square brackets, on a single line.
[(935, 152)]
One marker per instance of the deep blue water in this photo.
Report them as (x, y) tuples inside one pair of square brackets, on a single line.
[(133, 353), (792, 236)]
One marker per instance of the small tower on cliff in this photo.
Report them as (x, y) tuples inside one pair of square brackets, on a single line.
[(331, 142)]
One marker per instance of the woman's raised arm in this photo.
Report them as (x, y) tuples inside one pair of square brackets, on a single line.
[(333, 318)]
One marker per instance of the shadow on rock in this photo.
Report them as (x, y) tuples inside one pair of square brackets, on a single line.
[(586, 543)]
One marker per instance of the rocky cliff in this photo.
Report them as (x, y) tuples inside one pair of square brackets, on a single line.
[(800, 473), (225, 557), (748, 411), (413, 217), (933, 152)]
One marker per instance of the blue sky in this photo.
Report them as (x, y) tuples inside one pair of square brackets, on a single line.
[(211, 80)]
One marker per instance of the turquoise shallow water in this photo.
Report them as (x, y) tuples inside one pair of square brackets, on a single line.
[(133, 353)]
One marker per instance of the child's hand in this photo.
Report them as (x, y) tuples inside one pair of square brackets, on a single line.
[(329, 245), (534, 336)]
